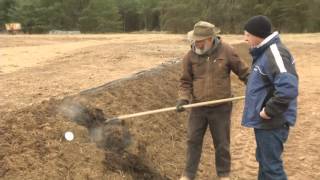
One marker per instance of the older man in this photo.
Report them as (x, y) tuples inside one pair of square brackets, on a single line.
[(271, 96), (206, 76)]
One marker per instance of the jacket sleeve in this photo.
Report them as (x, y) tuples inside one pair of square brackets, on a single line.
[(186, 86), (238, 66), (284, 78)]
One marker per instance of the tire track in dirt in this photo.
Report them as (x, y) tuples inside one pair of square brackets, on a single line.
[(244, 165), (301, 156)]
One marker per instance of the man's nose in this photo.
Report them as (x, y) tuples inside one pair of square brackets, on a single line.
[(200, 45)]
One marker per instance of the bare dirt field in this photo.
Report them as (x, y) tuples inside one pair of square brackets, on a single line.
[(123, 74)]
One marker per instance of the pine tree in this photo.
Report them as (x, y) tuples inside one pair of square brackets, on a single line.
[(100, 16)]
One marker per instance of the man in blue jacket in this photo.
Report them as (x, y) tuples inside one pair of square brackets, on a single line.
[(271, 96)]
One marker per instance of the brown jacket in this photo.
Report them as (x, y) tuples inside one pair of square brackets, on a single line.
[(207, 77)]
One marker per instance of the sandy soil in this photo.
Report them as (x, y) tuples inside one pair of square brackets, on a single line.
[(34, 68), (36, 72)]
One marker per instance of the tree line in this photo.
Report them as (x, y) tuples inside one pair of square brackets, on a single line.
[(177, 16)]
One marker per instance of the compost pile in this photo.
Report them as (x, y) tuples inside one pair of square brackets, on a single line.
[(148, 147)]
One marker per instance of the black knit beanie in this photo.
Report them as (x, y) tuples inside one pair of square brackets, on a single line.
[(259, 26)]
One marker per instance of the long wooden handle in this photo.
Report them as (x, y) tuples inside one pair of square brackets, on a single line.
[(174, 108)]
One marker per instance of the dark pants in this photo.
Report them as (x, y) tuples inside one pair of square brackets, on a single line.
[(268, 153), (218, 119)]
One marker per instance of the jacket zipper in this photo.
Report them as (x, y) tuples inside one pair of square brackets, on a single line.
[(208, 79)]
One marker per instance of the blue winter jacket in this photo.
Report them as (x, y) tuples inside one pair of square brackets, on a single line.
[(272, 84)]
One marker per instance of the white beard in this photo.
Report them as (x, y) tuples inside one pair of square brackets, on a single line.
[(204, 50), (201, 51)]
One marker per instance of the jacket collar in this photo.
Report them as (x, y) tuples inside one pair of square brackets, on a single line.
[(215, 46), (259, 49)]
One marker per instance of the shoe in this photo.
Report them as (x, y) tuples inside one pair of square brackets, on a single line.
[(184, 178)]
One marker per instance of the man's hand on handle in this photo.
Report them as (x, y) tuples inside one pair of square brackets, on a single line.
[(180, 103)]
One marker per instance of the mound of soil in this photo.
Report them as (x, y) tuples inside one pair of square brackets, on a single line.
[(148, 147)]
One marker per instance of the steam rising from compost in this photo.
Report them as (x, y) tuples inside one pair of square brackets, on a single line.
[(113, 136)]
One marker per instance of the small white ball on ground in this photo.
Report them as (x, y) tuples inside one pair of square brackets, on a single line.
[(68, 135)]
